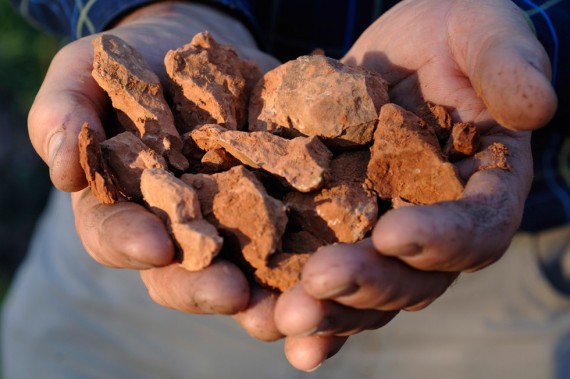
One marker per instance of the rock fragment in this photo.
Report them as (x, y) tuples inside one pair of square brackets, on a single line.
[(319, 96), (301, 242), (407, 162), (464, 141), (127, 157), (237, 204), (437, 118), (283, 271), (301, 162), (493, 156), (217, 160), (345, 210), (177, 204), (210, 83), (101, 181), (136, 93)]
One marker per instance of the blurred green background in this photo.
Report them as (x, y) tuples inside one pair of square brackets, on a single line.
[(25, 53)]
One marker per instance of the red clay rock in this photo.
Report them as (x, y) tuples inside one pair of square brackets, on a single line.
[(101, 181), (407, 161), (177, 204), (282, 272), (301, 162), (437, 118), (464, 141), (217, 160), (136, 93), (494, 156), (127, 157), (344, 211), (209, 84), (319, 96), (236, 203)]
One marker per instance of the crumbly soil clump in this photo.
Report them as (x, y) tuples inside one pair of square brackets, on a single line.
[(263, 170)]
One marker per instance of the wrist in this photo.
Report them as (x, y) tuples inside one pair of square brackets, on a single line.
[(181, 20)]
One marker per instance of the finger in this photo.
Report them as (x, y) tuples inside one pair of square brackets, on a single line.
[(298, 314), (506, 64), (67, 98), (121, 235), (220, 288), (309, 353), (258, 317), (358, 276), (463, 235)]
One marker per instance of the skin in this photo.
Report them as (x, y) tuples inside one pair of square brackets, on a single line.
[(480, 59)]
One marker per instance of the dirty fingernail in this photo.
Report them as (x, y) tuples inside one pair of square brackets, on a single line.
[(314, 368), (53, 146), (406, 250), (341, 291)]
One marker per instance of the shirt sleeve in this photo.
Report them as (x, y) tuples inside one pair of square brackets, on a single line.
[(551, 21), (78, 18)]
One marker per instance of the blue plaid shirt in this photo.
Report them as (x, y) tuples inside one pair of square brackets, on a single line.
[(334, 25)]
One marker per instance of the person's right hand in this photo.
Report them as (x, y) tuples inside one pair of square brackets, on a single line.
[(125, 234)]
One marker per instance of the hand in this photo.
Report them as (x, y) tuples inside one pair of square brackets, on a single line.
[(481, 60), (125, 235)]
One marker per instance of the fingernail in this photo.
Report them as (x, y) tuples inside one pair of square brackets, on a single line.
[(341, 291), (314, 368), (53, 146), (408, 250)]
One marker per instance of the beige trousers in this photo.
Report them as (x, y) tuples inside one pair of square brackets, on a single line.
[(68, 317)]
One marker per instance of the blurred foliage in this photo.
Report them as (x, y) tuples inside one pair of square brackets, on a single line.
[(25, 53)]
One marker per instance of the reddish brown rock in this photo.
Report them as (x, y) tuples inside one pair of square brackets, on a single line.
[(283, 271), (127, 157), (101, 181), (437, 118), (236, 203), (136, 93), (177, 204), (344, 211), (319, 96), (464, 141), (210, 83), (407, 162), (301, 162), (217, 160), (494, 156)]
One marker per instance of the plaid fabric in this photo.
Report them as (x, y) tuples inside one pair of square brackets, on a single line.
[(290, 28)]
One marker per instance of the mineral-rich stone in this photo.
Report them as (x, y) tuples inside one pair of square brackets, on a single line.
[(464, 141), (301, 162), (127, 157), (493, 156), (136, 93), (345, 210), (210, 83), (237, 204), (407, 162), (283, 271), (101, 181), (319, 96), (217, 160), (437, 118), (177, 204)]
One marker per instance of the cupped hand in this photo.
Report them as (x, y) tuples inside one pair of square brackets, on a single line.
[(125, 234), (483, 63)]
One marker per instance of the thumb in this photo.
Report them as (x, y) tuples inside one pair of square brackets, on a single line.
[(507, 66), (68, 97)]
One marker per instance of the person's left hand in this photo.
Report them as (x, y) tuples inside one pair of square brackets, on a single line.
[(482, 61)]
